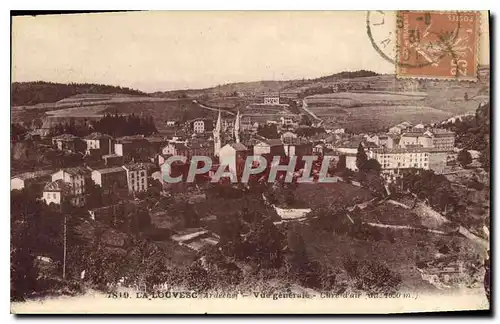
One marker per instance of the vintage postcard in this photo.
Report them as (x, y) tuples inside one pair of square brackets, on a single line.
[(250, 162)]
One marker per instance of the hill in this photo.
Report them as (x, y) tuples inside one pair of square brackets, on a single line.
[(32, 93), (256, 87)]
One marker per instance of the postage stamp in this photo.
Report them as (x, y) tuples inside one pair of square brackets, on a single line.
[(437, 44)]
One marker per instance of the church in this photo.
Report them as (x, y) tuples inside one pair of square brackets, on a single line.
[(233, 153)]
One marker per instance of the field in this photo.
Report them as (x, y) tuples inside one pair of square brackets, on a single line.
[(324, 194), (368, 103), (401, 255), (373, 110)]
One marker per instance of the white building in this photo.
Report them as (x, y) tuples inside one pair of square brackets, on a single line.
[(198, 126), (393, 160), (56, 191), (110, 179), (350, 161), (137, 177), (272, 100), (75, 179), (415, 139), (21, 181), (99, 142), (287, 121), (231, 154)]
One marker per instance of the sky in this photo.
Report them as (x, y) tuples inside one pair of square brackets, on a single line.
[(159, 51)]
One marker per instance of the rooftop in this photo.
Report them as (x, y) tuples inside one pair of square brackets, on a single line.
[(110, 170), (97, 136), (139, 166), (66, 137), (238, 146), (413, 134), (76, 170), (33, 175), (107, 156), (407, 150), (272, 142), (58, 185)]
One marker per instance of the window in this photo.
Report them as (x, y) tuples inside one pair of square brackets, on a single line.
[(143, 173)]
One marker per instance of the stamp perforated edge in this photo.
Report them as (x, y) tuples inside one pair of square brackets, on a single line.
[(477, 33)]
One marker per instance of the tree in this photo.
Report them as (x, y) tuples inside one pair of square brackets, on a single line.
[(341, 165), (372, 276), (268, 131), (484, 158), (305, 120), (190, 217), (230, 230), (464, 158), (361, 157), (372, 165), (94, 194), (304, 269), (264, 245)]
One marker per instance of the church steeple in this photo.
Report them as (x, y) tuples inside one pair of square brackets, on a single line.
[(237, 127), (216, 133)]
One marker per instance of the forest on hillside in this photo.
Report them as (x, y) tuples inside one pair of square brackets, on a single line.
[(32, 93)]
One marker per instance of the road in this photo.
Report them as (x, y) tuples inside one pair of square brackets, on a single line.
[(212, 109), (306, 109)]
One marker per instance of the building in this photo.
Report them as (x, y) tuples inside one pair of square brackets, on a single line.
[(75, 178), (98, 142), (232, 155), (435, 138), (112, 160), (287, 135), (273, 147), (400, 128), (200, 125), (393, 160), (319, 148), (442, 139), (415, 139), (272, 100), (36, 178), (66, 142), (294, 146), (287, 121), (137, 177), (110, 179), (383, 140), (156, 144), (56, 192), (200, 148), (132, 147), (174, 148), (350, 161)]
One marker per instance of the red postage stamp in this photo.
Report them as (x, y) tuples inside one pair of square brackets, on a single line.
[(438, 44)]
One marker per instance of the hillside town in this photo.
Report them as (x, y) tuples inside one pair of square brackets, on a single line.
[(133, 163), (111, 190), (162, 162)]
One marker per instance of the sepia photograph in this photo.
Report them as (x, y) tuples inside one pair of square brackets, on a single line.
[(250, 162)]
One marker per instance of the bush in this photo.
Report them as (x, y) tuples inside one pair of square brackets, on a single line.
[(372, 276)]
